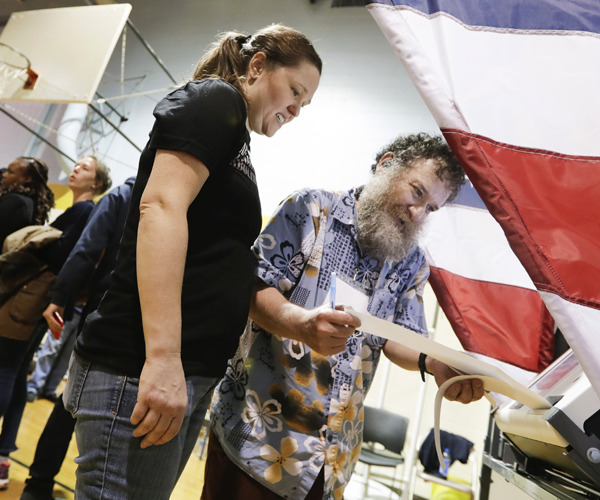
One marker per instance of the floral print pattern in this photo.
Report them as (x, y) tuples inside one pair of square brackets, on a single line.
[(368, 272), (261, 418), (285, 413), (236, 379), (318, 448), (341, 411), (282, 460), (334, 467), (288, 262)]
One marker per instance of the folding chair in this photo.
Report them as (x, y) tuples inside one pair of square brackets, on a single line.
[(387, 429)]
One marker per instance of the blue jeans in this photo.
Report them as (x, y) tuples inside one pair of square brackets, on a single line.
[(53, 359), (12, 381), (15, 356), (111, 464)]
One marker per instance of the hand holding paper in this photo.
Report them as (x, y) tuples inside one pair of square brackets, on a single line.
[(327, 331), (322, 329), (456, 359)]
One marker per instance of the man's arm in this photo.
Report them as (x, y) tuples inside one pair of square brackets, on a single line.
[(465, 391), (175, 181), (323, 329), (84, 257)]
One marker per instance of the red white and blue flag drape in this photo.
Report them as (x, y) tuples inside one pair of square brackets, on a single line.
[(484, 290), (514, 85)]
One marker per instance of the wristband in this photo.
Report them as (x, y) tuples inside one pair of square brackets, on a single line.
[(422, 368)]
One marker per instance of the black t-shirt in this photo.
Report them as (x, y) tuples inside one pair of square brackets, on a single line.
[(71, 222), (208, 120)]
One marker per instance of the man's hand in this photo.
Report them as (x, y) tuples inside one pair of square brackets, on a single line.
[(162, 401), (465, 391), (54, 325), (326, 330), (323, 329)]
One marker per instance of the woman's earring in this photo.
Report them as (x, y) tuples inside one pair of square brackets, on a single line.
[(386, 163)]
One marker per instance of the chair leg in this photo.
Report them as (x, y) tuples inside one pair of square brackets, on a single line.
[(367, 476), (393, 482)]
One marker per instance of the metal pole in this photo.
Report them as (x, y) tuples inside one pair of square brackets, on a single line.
[(408, 476), (36, 134), (144, 43), (115, 127), (386, 375), (34, 143), (150, 50), (112, 108)]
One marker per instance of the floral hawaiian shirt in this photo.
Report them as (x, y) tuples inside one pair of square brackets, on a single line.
[(283, 411)]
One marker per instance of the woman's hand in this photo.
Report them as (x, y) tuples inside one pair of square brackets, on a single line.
[(162, 401)]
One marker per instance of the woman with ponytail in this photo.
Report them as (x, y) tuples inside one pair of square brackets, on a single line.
[(148, 359), (25, 198)]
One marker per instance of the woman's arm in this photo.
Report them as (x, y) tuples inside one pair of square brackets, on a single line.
[(174, 183)]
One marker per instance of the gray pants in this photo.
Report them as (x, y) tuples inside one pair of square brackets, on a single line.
[(111, 464)]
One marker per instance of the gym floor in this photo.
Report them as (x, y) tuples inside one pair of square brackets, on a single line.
[(32, 425)]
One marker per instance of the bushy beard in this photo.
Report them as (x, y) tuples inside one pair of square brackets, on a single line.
[(378, 233)]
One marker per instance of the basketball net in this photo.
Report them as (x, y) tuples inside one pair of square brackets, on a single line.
[(14, 65)]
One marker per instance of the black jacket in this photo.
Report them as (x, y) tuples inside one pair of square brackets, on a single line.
[(101, 234)]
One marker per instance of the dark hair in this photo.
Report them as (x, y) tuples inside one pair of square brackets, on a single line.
[(37, 188), (228, 58), (410, 148), (102, 175)]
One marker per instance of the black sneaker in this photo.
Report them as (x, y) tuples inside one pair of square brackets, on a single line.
[(30, 493), (51, 396), (27, 495)]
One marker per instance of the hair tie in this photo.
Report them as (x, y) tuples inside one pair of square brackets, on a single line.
[(241, 40)]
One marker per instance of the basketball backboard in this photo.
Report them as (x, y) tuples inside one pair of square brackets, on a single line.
[(68, 48)]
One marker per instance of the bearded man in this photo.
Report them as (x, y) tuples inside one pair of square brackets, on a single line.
[(287, 418)]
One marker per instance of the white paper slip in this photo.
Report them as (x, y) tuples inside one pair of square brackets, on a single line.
[(347, 295), (494, 379)]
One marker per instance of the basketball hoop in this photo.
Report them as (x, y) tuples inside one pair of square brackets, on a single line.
[(13, 65)]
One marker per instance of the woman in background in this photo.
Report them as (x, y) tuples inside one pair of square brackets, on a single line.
[(25, 198), (90, 177), (20, 328), (148, 359)]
